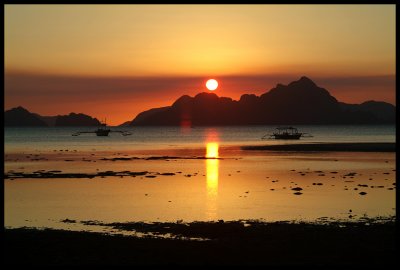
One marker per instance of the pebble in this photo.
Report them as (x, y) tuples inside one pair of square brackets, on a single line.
[(297, 188)]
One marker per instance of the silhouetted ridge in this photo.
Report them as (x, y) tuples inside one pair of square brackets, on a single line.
[(74, 119), (150, 117), (303, 82), (20, 116), (375, 111), (182, 100), (49, 120), (299, 102)]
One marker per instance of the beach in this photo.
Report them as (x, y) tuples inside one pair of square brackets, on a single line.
[(337, 244)]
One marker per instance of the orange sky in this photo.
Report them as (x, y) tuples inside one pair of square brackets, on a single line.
[(115, 61)]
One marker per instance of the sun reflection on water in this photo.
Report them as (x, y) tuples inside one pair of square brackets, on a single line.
[(212, 179)]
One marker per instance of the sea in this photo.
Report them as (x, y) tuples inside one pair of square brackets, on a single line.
[(229, 184), (19, 139)]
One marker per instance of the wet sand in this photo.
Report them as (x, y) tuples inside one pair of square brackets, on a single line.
[(42, 188), (364, 243)]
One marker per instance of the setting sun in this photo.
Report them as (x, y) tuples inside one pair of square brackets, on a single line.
[(306, 97), (211, 84)]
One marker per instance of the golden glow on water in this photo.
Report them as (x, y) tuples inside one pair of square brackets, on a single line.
[(243, 188), (212, 180), (212, 150)]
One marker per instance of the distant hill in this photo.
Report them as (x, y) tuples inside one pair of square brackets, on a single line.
[(74, 119), (49, 120), (374, 111), (125, 124), (21, 117), (143, 117), (300, 102)]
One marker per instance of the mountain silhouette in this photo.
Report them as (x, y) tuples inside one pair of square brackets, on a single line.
[(375, 111), (21, 117), (49, 120), (74, 119), (299, 102)]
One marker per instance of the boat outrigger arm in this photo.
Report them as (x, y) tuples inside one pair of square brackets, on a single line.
[(272, 136), (123, 133)]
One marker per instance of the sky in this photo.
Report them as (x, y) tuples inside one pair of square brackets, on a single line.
[(116, 61)]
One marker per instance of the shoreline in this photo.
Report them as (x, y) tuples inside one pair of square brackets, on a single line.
[(232, 243), (326, 147)]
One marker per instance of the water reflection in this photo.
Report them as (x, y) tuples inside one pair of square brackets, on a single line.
[(212, 180)]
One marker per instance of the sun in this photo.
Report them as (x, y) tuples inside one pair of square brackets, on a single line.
[(211, 84)]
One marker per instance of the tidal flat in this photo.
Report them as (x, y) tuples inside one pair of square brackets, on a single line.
[(194, 185)]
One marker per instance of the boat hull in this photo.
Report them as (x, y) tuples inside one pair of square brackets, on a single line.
[(287, 136), (102, 132)]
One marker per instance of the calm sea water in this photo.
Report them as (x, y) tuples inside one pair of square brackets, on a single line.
[(21, 139)]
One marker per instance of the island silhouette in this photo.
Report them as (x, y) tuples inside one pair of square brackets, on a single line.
[(299, 102), (20, 116)]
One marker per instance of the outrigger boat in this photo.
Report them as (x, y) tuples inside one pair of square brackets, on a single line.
[(103, 131), (286, 133)]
